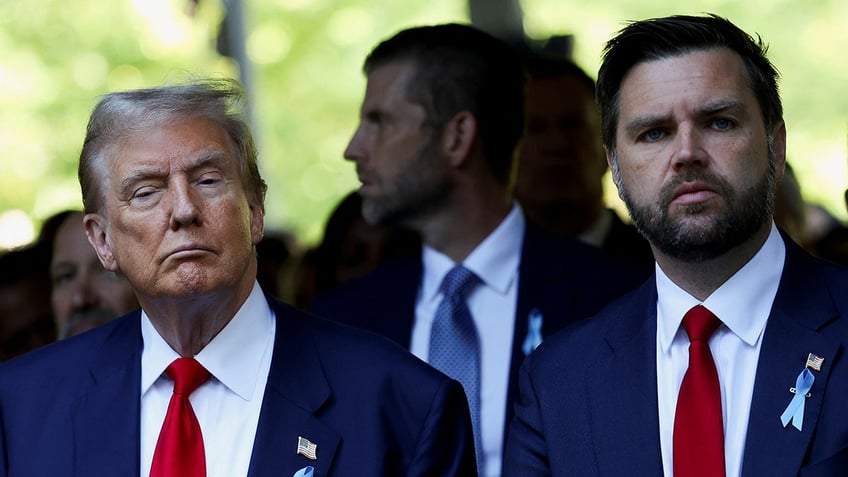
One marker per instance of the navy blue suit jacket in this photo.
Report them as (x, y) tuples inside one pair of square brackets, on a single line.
[(72, 408), (588, 403), (563, 279)]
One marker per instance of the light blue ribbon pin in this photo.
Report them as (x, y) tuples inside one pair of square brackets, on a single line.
[(534, 332), (795, 410), (304, 472)]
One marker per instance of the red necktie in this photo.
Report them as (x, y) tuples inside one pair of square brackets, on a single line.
[(698, 428), (179, 450)]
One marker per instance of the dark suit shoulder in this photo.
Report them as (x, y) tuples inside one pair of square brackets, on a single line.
[(390, 408), (67, 360), (579, 342), (383, 301), (348, 350)]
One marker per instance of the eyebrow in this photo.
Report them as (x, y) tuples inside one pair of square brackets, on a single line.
[(650, 121), (204, 158), (719, 106)]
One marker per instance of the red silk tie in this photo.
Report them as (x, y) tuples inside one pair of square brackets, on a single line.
[(698, 428), (179, 450)]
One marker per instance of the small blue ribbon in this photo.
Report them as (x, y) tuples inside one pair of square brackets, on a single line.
[(534, 332), (304, 472), (795, 410)]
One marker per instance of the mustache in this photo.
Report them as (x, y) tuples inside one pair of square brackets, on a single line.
[(718, 184)]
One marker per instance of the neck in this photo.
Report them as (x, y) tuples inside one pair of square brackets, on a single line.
[(701, 279), (189, 324), (461, 226)]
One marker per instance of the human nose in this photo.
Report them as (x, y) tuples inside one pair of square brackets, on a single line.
[(689, 150), (82, 295), (185, 210), (355, 149)]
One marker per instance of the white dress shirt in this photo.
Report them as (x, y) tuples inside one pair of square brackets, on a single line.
[(227, 406), (492, 305), (743, 304)]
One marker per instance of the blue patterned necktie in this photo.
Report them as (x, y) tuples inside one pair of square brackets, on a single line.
[(454, 345)]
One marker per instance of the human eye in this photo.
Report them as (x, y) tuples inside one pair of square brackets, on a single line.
[(652, 135), (210, 179), (62, 276), (723, 124), (142, 194), (375, 119)]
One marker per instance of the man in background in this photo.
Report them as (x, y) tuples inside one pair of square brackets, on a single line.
[(26, 321), (434, 150), (561, 165), (83, 294)]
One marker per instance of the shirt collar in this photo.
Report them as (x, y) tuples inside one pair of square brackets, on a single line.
[(495, 260), (232, 357), (742, 303)]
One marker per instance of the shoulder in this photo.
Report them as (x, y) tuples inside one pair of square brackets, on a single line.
[(591, 338), (576, 255), (391, 275), (376, 300), (69, 363), (345, 349)]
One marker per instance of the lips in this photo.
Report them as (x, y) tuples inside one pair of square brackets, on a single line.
[(692, 193), (187, 250), (365, 181)]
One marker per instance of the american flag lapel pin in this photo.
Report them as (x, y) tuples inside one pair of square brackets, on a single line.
[(307, 448), (814, 362)]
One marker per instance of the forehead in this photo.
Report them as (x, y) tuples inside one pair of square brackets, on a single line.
[(388, 84), (70, 238), (685, 83), (561, 92), (177, 144)]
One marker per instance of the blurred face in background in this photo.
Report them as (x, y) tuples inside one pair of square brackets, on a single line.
[(561, 158), (84, 294)]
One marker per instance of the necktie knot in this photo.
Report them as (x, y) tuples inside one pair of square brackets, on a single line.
[(458, 282), (187, 374), (700, 323)]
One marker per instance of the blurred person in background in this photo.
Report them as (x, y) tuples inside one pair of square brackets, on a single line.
[(434, 150), (561, 162), (83, 294), (26, 320)]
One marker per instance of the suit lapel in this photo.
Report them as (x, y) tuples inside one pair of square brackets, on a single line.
[(621, 390), (105, 419), (297, 388), (802, 306), (540, 265)]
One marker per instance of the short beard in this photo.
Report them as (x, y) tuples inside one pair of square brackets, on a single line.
[(417, 192), (746, 213)]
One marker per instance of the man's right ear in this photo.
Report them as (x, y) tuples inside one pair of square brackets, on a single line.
[(96, 229)]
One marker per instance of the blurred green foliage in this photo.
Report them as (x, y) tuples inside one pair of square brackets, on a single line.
[(57, 56)]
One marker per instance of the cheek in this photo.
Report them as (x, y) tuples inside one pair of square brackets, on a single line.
[(59, 301), (638, 180)]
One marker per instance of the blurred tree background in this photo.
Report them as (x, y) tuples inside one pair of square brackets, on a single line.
[(305, 56)]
